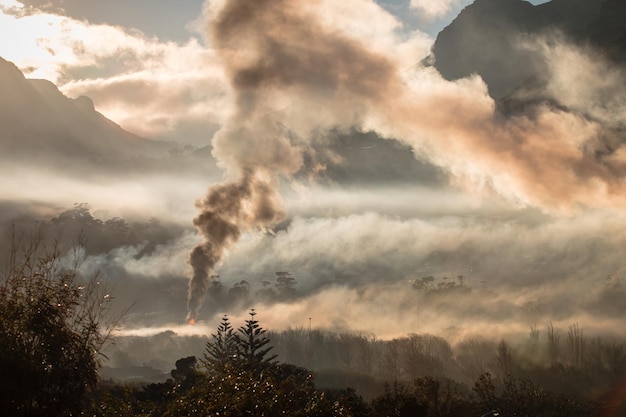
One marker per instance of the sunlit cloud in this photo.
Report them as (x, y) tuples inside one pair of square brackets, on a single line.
[(432, 9), (160, 100), (533, 212), (368, 22), (150, 194), (148, 86)]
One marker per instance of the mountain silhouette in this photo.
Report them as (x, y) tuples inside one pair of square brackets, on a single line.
[(487, 38), (40, 123)]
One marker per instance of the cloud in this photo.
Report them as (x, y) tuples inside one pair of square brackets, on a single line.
[(280, 75), (294, 76), (356, 272), (166, 258), (534, 208), (582, 79), (371, 247), (185, 105), (100, 61), (432, 9), (162, 188)]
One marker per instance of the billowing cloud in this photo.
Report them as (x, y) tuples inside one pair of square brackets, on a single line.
[(543, 159), (148, 86), (531, 218), (294, 76), (357, 272)]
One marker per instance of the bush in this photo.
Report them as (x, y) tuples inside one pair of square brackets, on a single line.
[(52, 326)]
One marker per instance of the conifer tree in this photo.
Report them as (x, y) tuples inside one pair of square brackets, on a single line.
[(251, 345), (221, 351)]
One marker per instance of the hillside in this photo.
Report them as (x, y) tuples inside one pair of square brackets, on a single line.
[(39, 123), (488, 37)]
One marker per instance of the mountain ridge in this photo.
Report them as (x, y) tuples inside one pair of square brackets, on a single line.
[(485, 38), (37, 119)]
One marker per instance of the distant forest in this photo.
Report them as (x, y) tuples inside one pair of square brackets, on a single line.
[(552, 372), (55, 327)]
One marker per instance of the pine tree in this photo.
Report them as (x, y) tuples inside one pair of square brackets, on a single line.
[(221, 351), (251, 345)]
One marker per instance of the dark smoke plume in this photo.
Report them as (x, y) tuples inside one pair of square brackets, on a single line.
[(225, 211), (266, 49), (294, 75)]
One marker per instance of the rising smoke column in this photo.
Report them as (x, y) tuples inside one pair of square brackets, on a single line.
[(225, 211), (293, 75), (268, 69)]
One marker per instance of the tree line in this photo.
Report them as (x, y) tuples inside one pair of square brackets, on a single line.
[(54, 323), (240, 374)]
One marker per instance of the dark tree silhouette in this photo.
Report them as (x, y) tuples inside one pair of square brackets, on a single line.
[(52, 326), (221, 349), (243, 379), (184, 368), (285, 285), (398, 402), (251, 345)]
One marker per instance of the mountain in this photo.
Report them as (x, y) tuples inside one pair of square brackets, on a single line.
[(37, 122), (41, 127), (609, 30), (485, 38)]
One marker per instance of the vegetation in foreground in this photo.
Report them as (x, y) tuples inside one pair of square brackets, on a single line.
[(54, 322), (239, 376)]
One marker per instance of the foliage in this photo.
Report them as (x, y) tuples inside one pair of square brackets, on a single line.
[(52, 325), (110, 400), (246, 292), (242, 378), (185, 367), (441, 397), (239, 376), (221, 349), (285, 285), (251, 345), (398, 402), (445, 285)]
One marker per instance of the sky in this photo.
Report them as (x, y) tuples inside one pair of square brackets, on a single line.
[(328, 152)]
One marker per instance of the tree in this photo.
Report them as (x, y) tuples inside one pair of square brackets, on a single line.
[(245, 349), (504, 357), (443, 398), (53, 323), (239, 291), (266, 293), (285, 285), (251, 344), (576, 345), (398, 402), (184, 368), (251, 383), (554, 350), (476, 356), (485, 390), (221, 350)]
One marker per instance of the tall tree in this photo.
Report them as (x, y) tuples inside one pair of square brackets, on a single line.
[(252, 344), (221, 350), (252, 383)]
